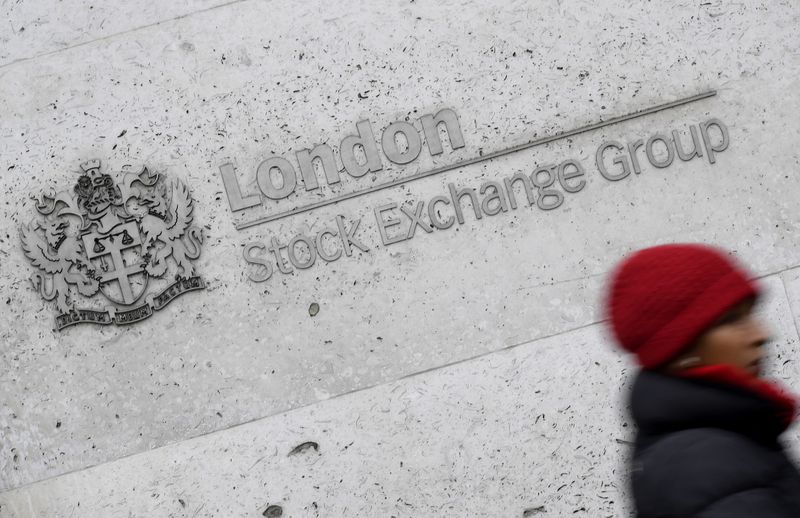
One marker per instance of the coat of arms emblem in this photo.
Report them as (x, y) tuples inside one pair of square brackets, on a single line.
[(108, 242)]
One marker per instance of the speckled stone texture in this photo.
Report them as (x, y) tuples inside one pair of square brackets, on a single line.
[(500, 315), (494, 436)]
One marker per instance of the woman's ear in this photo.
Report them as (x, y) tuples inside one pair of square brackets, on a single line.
[(686, 360), (690, 361)]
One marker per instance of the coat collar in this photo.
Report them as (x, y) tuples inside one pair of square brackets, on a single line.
[(710, 397), (784, 404)]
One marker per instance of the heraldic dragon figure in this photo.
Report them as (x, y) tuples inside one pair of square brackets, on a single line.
[(61, 263), (167, 229), (101, 233)]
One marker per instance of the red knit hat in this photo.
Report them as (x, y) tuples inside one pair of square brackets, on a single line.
[(662, 298)]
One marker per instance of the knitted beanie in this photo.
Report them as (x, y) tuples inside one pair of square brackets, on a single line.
[(661, 299)]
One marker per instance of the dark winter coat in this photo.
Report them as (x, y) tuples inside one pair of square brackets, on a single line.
[(710, 449)]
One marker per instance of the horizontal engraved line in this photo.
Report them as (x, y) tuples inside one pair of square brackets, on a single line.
[(478, 159)]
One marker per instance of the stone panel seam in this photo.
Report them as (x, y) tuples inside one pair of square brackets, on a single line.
[(494, 351), (344, 394), (121, 33), (298, 408), (789, 301)]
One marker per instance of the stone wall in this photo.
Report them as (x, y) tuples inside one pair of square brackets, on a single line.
[(462, 371)]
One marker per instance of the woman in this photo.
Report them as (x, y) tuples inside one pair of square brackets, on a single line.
[(708, 424)]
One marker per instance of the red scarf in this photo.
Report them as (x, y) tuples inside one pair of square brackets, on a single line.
[(785, 404)]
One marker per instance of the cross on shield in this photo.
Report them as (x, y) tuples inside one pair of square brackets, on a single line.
[(119, 266)]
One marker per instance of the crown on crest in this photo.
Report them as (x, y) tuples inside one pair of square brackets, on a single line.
[(91, 167)]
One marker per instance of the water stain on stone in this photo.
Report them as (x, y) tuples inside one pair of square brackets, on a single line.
[(244, 57)]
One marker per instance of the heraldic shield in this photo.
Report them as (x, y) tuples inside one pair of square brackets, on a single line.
[(107, 241), (118, 263)]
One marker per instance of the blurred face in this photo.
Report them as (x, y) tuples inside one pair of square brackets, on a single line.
[(735, 339)]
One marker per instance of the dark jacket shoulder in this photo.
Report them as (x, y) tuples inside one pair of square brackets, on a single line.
[(687, 472), (705, 450)]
